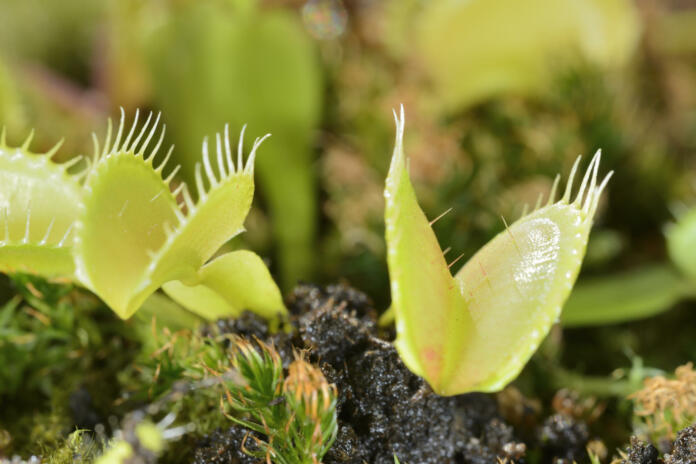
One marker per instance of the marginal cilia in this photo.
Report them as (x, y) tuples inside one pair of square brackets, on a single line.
[(118, 227)]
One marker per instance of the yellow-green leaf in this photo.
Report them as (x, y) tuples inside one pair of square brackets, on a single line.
[(216, 62), (517, 283), (229, 284), (476, 49), (217, 216)]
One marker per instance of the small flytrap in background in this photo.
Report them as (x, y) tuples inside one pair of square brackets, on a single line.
[(474, 331)]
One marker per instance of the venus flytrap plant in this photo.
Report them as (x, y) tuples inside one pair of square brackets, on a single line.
[(159, 240), (254, 64), (474, 331), (119, 229)]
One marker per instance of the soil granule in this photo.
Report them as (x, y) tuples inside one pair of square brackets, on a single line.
[(684, 448), (223, 447), (640, 452), (564, 438)]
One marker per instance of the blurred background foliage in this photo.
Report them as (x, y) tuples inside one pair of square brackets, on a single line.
[(500, 96)]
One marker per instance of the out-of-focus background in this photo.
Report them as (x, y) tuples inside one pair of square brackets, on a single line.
[(499, 96)]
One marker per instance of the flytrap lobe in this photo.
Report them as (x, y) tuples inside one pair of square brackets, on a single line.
[(126, 231), (476, 330), (135, 236)]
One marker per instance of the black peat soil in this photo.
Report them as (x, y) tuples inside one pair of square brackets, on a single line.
[(385, 410), (683, 450)]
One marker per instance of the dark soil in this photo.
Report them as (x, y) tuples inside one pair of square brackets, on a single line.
[(385, 410), (223, 447), (641, 452), (684, 448), (562, 437), (82, 410)]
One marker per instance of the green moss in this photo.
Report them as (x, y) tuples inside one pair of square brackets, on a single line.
[(54, 340)]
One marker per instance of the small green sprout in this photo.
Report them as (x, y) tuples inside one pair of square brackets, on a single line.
[(474, 331), (119, 228)]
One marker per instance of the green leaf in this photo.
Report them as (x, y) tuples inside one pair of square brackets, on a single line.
[(476, 331), (123, 234), (201, 300), (217, 217), (681, 243), (625, 297), (39, 204), (229, 284)]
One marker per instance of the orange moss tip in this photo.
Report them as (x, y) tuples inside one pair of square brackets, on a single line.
[(307, 384), (247, 348), (666, 404)]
